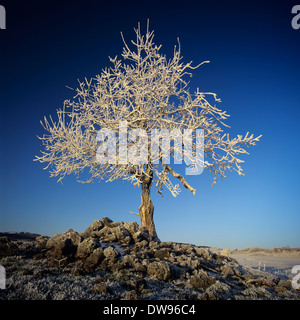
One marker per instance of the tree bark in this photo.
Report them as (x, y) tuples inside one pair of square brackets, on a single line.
[(146, 209)]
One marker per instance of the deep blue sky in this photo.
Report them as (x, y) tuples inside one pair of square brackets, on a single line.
[(254, 69)]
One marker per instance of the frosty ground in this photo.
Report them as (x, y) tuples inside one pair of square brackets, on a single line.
[(118, 261)]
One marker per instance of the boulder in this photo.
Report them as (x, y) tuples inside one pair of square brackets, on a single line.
[(41, 241), (86, 247), (63, 248), (94, 229), (204, 252), (116, 233), (111, 253), (96, 256), (142, 244), (64, 244), (94, 259), (142, 235), (125, 232), (7, 248), (131, 227), (138, 233), (128, 260), (160, 270), (154, 245), (201, 280), (73, 236), (138, 267), (161, 253)]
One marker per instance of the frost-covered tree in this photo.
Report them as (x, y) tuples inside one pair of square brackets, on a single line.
[(145, 91)]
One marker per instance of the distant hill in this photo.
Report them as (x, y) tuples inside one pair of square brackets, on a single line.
[(15, 236)]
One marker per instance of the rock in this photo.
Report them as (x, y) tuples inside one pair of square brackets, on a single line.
[(110, 231), (131, 295), (225, 252), (202, 296), (262, 282), (160, 270), (117, 266), (101, 287), (154, 245), (113, 234), (86, 247), (41, 241), (107, 234), (138, 233), (132, 267), (212, 295), (204, 252), (111, 253), (140, 267), (123, 235), (63, 248), (122, 275), (7, 248), (63, 244), (94, 229), (142, 244), (131, 227), (255, 293), (202, 280), (248, 276), (279, 289), (285, 284), (73, 236), (162, 253), (128, 260), (176, 272), (28, 249), (95, 258), (227, 271)]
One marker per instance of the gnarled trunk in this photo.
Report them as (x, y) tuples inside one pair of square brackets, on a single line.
[(146, 210)]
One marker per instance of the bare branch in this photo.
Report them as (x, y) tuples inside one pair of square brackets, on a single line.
[(181, 179)]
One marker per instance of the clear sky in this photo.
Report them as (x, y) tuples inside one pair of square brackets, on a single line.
[(254, 69)]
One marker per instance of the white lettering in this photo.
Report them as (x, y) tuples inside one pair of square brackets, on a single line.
[(296, 19)]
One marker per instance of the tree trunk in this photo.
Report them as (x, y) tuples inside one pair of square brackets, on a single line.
[(146, 210)]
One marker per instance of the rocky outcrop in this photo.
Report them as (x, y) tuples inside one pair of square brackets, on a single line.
[(109, 231), (132, 266)]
